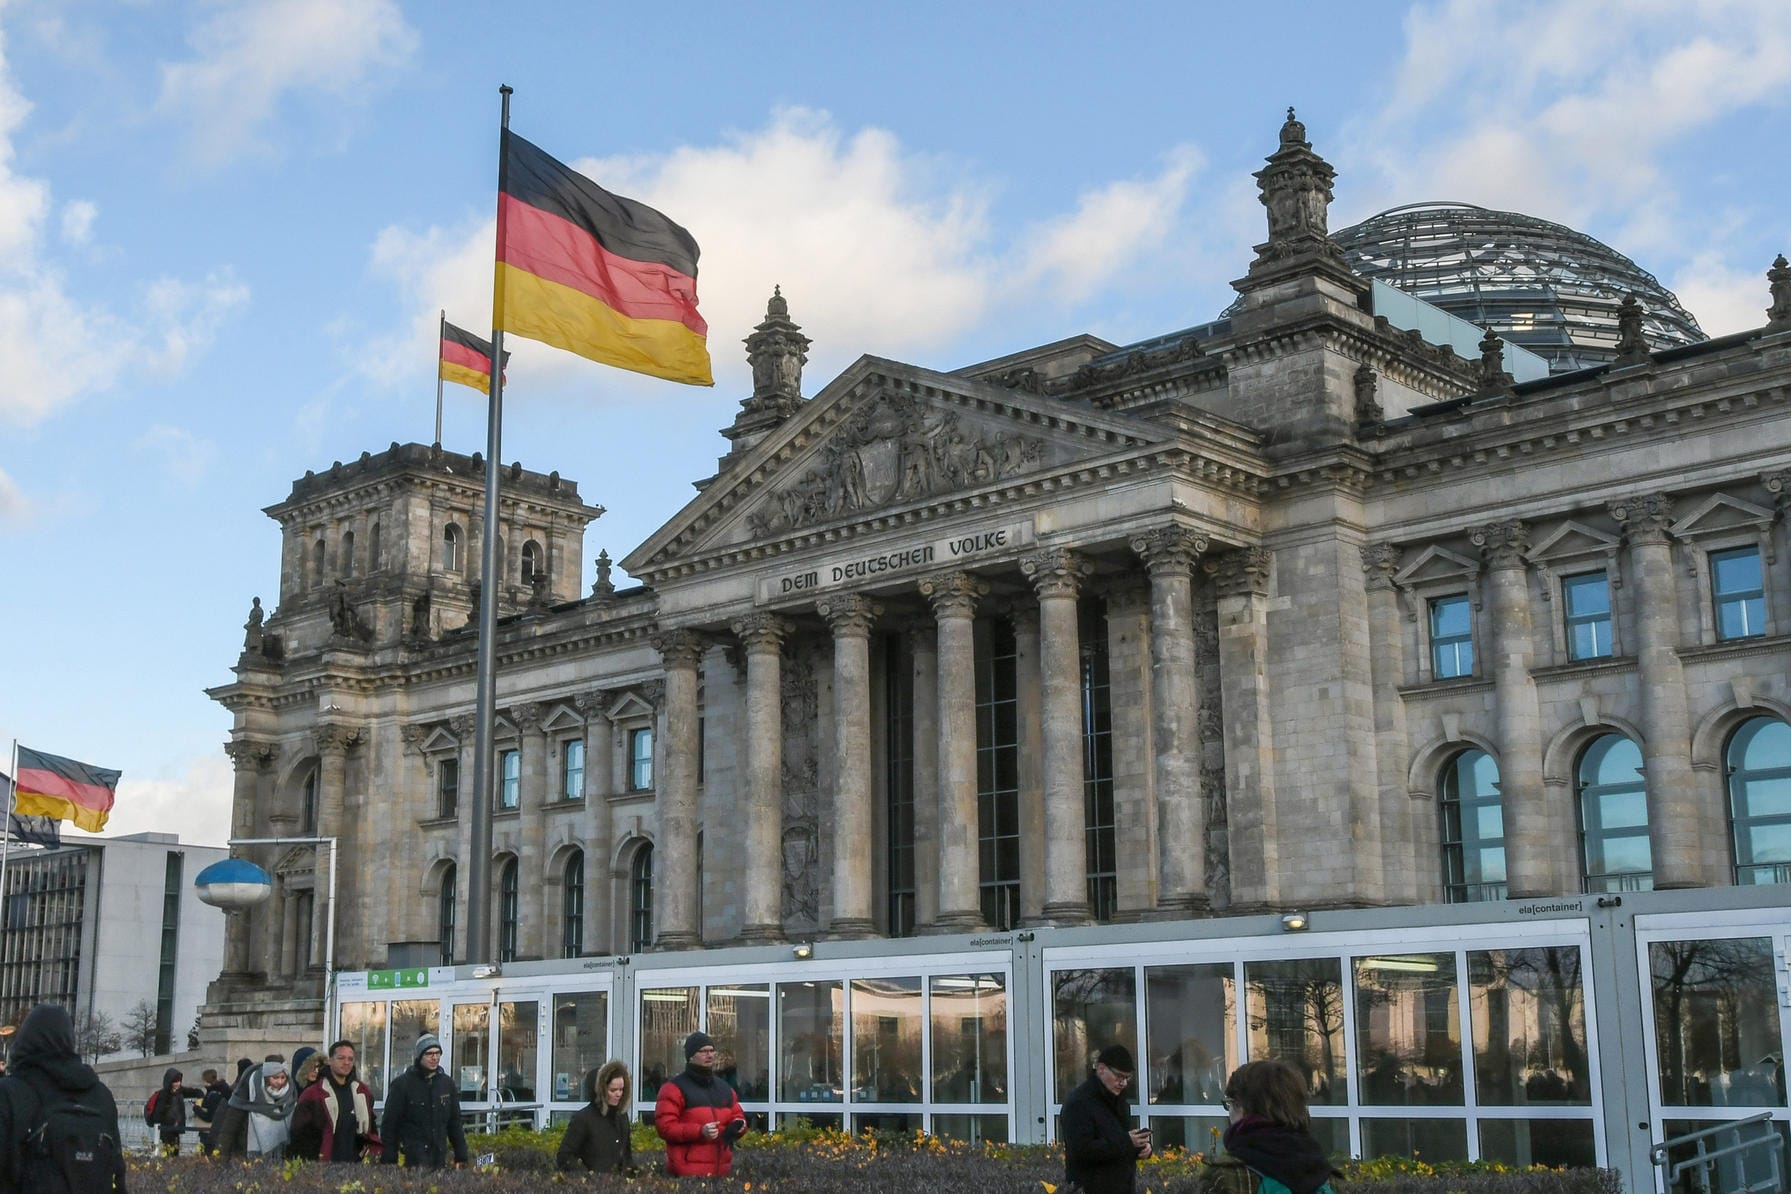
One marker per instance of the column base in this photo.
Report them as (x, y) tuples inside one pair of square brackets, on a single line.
[(677, 939), (762, 935), (851, 928), (1067, 913), (1181, 907), (955, 922)]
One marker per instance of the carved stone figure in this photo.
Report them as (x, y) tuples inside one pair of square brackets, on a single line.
[(419, 616), (345, 623), (1368, 403), (252, 634), (1631, 347), (1778, 316)]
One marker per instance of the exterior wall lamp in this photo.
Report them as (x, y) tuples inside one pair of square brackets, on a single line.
[(1294, 922), (803, 952)]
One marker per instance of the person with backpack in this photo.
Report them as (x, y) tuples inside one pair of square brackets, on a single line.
[(58, 1122), (166, 1110), (1101, 1148), (1269, 1147)]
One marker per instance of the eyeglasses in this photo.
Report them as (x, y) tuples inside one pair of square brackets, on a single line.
[(1228, 1102)]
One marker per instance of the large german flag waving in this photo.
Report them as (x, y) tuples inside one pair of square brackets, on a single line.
[(593, 273), (52, 786)]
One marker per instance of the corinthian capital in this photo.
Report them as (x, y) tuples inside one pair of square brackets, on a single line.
[(850, 616), (1244, 570), (679, 648), (248, 754), (1169, 549), (761, 632), (335, 738), (953, 594), (1503, 543), (1644, 518), (529, 716), (1055, 571), (1381, 562)]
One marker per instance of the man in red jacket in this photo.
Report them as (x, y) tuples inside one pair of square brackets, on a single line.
[(698, 1115), (334, 1118)]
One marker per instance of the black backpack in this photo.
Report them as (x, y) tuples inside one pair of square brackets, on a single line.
[(71, 1149)]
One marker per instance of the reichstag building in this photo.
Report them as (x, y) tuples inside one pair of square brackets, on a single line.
[(1444, 576)]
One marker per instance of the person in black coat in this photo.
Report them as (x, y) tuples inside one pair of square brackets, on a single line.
[(171, 1109), (598, 1139), (1101, 1149), (206, 1114), (46, 1071), (422, 1114)]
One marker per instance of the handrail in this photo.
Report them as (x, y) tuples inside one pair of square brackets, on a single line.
[(1705, 1161)]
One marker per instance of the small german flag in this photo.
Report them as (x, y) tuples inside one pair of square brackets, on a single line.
[(466, 358), (593, 273), (63, 790)]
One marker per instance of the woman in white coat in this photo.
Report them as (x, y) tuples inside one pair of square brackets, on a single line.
[(272, 1097)]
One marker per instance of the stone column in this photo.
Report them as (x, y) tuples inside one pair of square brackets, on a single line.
[(674, 847), (400, 856), (1529, 848), (923, 646), (1676, 817), (251, 760), (1029, 722), (1057, 575), (465, 727), (1170, 554), (333, 741), (531, 936), (851, 618), (599, 839), (954, 596), (1392, 750), (762, 636), (288, 967), (1242, 580)]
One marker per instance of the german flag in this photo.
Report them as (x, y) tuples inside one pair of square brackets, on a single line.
[(593, 273), (466, 358), (33, 831), (63, 790)]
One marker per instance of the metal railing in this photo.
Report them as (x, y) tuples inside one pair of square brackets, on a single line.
[(1728, 1164)]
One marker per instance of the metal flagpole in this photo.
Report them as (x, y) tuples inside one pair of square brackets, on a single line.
[(478, 942), (12, 802), (441, 331)]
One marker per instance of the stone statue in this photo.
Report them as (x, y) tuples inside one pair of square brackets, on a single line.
[(419, 616), (341, 611), (1631, 347), (474, 593), (1778, 316), (252, 634)]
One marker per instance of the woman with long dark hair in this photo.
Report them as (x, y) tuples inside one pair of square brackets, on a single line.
[(598, 1138), (1270, 1135)]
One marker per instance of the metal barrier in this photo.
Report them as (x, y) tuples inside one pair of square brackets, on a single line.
[(1727, 1164), (499, 1116)]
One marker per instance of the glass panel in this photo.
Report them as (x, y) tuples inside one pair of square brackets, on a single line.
[(580, 1040), (1716, 1023), (1408, 1035), (668, 1015), (1196, 1133), (974, 1128), (740, 1022), (472, 1049), (886, 1041), (1557, 1143), (900, 1123), (518, 1025), (365, 1025), (1295, 1014), (970, 1039), (810, 1023), (1528, 1008), (1091, 1009), (411, 1019), (832, 1120), (1190, 1017), (1425, 1139)]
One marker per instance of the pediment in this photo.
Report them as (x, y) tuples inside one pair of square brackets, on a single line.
[(440, 740), (630, 705), (297, 860), (1437, 564), (883, 440), (561, 718), (1572, 540), (1721, 513)]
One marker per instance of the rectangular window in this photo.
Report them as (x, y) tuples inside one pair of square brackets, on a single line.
[(572, 769), (998, 775), (899, 733), (1451, 637), (510, 779), (1738, 589), (640, 760), (447, 787), (1100, 836), (164, 1003), (1586, 604)]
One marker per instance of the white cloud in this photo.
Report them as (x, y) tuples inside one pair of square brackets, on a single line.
[(877, 249), (1723, 298), (14, 508), (192, 800), (251, 55), (77, 221), (184, 456)]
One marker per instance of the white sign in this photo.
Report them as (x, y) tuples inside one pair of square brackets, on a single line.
[(916, 558)]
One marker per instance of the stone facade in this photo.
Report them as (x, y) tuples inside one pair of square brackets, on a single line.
[(1085, 632)]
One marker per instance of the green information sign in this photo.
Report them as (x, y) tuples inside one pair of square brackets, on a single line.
[(390, 980)]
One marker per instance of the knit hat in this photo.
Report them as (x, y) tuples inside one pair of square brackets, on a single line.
[(300, 1056), (1116, 1057), (425, 1043), (695, 1041)]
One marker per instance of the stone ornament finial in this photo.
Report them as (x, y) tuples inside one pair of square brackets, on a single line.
[(1293, 132), (1295, 187), (1778, 316), (603, 586), (777, 351), (1493, 378), (1632, 349)]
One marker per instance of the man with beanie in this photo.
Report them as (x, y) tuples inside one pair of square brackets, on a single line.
[(1100, 1147), (423, 1113), (698, 1115)]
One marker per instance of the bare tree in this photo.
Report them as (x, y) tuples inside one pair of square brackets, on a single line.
[(96, 1035), (140, 1027)]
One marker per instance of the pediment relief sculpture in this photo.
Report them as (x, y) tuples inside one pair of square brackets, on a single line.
[(895, 450)]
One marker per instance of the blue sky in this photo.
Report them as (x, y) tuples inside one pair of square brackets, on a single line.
[(226, 229)]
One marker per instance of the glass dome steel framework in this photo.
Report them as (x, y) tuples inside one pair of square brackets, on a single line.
[(1539, 284)]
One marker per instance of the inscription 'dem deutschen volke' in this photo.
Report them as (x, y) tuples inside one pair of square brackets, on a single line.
[(914, 558)]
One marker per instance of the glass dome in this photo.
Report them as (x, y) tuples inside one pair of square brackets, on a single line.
[(1542, 285)]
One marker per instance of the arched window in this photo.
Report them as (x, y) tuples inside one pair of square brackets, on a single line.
[(1614, 817), (319, 562), (308, 805), (531, 562), (1759, 768), (347, 553), (373, 546), (1473, 829), (572, 924), (640, 900), (508, 903), (444, 914), (451, 548)]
